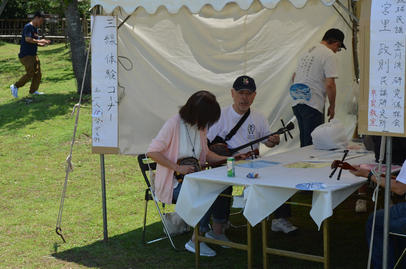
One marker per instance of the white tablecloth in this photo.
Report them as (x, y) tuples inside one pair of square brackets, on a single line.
[(275, 185)]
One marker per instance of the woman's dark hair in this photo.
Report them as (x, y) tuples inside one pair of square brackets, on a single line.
[(201, 109)]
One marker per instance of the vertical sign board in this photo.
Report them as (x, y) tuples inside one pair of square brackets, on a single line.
[(383, 41), (104, 85)]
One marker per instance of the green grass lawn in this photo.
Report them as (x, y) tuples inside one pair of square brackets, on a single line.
[(34, 143)]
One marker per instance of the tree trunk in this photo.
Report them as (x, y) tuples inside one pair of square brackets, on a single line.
[(77, 45)]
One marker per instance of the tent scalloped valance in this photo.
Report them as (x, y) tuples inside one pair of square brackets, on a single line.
[(194, 6)]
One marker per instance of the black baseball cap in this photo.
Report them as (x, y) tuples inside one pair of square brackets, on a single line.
[(244, 83), (335, 35)]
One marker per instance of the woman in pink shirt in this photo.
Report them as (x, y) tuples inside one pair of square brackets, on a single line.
[(184, 135)]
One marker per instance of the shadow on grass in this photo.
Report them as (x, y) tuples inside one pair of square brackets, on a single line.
[(347, 247), (127, 251), (27, 110)]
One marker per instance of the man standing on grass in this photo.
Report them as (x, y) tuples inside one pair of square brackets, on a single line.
[(28, 55)]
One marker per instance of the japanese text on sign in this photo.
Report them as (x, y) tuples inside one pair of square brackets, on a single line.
[(104, 82), (387, 66)]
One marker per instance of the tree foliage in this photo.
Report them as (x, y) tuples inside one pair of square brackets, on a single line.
[(22, 8)]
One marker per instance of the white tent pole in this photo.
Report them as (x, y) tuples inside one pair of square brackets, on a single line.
[(387, 198)]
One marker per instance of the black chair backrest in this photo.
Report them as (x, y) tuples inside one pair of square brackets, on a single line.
[(145, 167)]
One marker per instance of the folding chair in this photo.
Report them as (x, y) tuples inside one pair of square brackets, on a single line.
[(399, 262), (148, 165)]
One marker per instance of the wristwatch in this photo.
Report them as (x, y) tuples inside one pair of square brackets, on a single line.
[(369, 176)]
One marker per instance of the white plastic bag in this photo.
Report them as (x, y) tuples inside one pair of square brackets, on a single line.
[(175, 224), (330, 135)]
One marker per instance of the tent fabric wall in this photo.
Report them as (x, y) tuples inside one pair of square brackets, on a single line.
[(194, 6), (164, 58)]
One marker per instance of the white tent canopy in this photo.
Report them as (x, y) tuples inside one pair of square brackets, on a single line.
[(174, 53), (194, 6)]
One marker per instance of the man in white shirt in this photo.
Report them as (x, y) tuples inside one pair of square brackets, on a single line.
[(397, 220), (254, 126), (314, 79)]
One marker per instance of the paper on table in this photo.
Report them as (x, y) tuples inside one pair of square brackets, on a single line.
[(310, 186), (307, 165), (330, 156), (257, 164)]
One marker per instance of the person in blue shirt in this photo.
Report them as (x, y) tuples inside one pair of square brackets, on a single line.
[(28, 55), (397, 221)]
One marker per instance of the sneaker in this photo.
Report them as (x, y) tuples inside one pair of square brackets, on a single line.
[(204, 249), (14, 90), (221, 237), (37, 93), (282, 225), (361, 206)]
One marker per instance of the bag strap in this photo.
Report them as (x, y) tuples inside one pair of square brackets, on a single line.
[(237, 126)]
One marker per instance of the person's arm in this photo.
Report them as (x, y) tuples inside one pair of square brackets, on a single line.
[(39, 42), (396, 186), (330, 85), (162, 160), (212, 157)]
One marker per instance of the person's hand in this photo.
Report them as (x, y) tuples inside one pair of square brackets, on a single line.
[(272, 141), (360, 172), (43, 42), (185, 169), (330, 112), (242, 156)]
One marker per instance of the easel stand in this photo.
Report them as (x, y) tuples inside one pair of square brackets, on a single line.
[(386, 203), (104, 203)]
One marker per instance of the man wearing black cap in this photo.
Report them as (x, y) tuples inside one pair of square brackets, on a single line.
[(314, 79), (253, 127), (28, 55)]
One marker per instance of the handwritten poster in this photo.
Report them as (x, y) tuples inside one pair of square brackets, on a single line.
[(104, 82), (387, 66)]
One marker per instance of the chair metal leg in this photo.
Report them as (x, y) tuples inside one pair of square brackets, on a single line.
[(165, 226), (163, 221), (145, 221), (400, 258)]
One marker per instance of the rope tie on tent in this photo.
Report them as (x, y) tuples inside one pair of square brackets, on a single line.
[(69, 165), (77, 106)]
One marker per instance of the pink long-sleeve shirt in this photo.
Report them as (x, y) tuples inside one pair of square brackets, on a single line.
[(167, 143)]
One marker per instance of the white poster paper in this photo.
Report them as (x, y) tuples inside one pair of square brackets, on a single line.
[(387, 66), (104, 82)]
